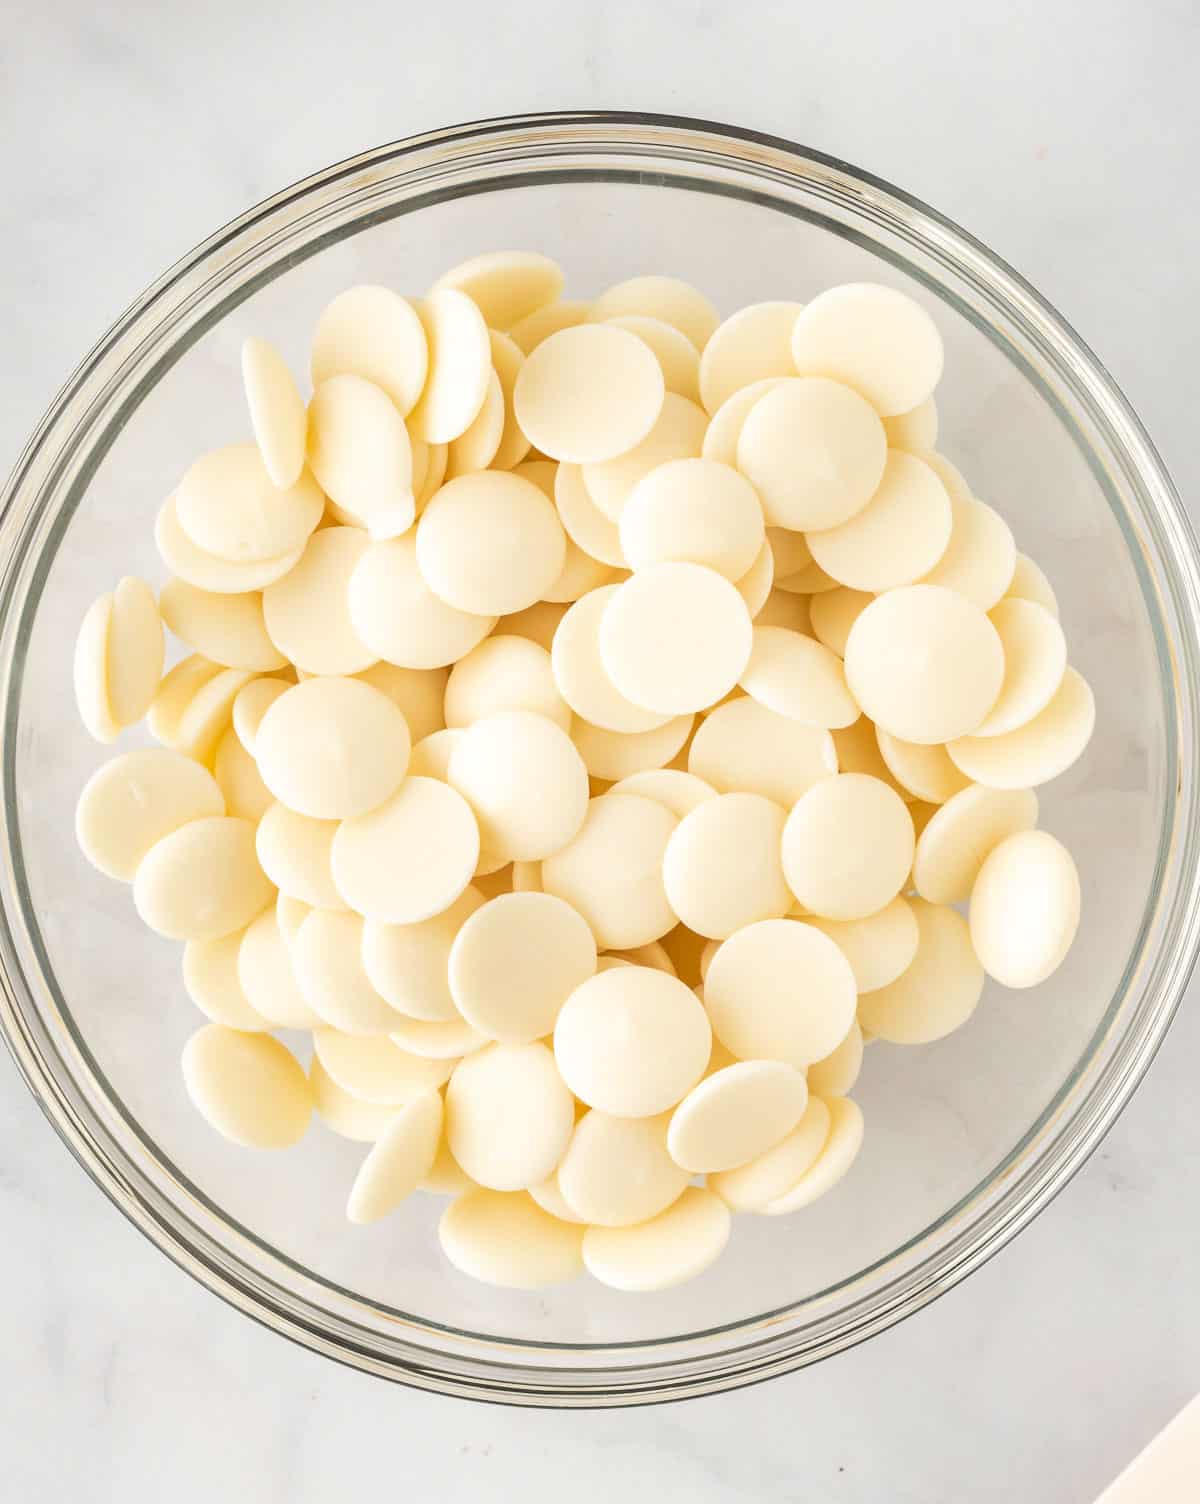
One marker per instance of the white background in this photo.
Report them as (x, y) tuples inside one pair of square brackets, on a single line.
[(1065, 135)]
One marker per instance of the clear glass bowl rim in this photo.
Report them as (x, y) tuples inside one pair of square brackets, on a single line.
[(34, 507)]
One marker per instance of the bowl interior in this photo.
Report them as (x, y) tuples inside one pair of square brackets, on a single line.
[(944, 1121)]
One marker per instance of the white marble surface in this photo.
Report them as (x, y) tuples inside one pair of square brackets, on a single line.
[(1065, 135)]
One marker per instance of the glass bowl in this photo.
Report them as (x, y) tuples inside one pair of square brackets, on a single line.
[(966, 1139)]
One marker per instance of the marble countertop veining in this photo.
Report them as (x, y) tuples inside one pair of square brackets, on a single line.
[(1065, 134)]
